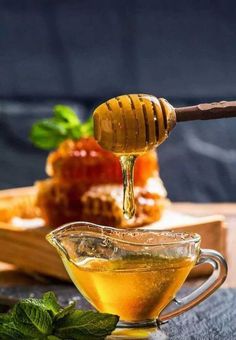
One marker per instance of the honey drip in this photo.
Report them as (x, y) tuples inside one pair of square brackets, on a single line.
[(127, 166), (130, 125)]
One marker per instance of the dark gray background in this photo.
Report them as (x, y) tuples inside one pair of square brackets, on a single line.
[(83, 52)]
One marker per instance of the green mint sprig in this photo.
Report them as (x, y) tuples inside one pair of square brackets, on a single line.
[(45, 319), (48, 133)]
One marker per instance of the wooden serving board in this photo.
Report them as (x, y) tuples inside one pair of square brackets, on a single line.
[(22, 241)]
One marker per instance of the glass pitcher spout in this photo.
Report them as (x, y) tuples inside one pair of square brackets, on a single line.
[(83, 239), (75, 239), (54, 238)]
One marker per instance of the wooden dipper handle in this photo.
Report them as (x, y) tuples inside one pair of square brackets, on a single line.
[(206, 111)]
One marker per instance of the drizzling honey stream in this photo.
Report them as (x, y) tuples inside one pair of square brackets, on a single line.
[(130, 125)]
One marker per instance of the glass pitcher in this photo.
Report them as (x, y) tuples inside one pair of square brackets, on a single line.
[(135, 274)]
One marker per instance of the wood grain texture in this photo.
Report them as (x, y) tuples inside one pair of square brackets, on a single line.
[(206, 111), (26, 247)]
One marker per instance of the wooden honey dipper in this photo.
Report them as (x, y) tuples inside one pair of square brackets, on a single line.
[(132, 124), (136, 123)]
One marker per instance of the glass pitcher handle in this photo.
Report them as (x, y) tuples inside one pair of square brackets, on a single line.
[(218, 276)]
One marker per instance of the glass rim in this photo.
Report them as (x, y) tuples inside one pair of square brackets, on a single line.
[(183, 237)]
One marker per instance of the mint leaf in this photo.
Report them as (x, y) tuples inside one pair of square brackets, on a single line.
[(31, 318), (80, 324), (87, 128), (82, 130), (50, 303), (75, 132), (45, 319), (65, 311), (48, 133), (5, 317), (9, 331), (66, 114)]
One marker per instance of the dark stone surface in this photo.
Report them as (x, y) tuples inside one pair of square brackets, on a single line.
[(214, 319), (65, 293)]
